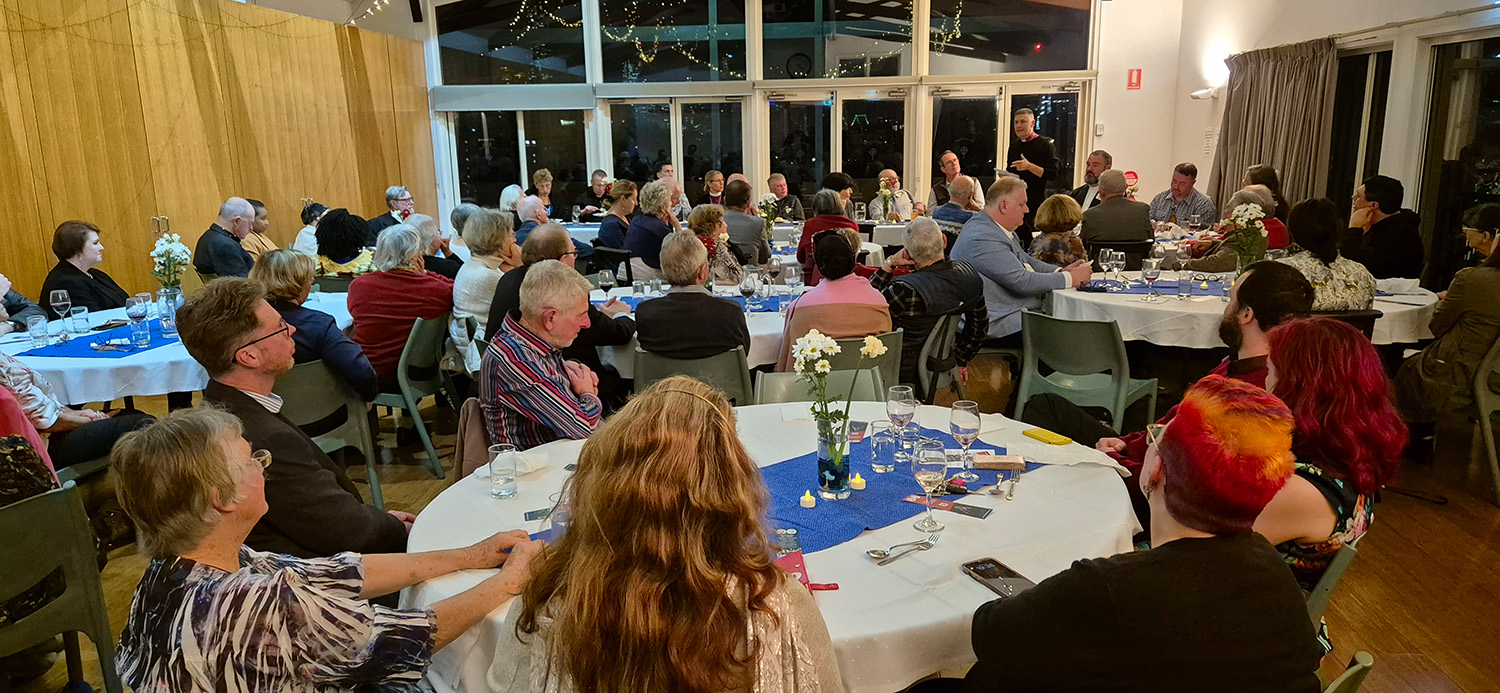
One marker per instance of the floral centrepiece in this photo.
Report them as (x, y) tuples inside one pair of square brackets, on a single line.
[(1246, 234), (767, 209), (810, 361), (171, 258), (887, 200)]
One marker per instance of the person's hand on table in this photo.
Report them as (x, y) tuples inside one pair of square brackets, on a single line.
[(581, 379), (588, 210), (1078, 272), (1109, 445), (4, 285), (405, 518), (496, 549), (614, 306)]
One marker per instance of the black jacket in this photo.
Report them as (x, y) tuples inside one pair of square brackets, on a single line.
[(691, 325), (1392, 248), (219, 253), (314, 509), (1081, 193), (378, 223), (21, 309), (93, 290)]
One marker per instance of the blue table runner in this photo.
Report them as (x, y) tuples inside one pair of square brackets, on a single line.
[(79, 346)]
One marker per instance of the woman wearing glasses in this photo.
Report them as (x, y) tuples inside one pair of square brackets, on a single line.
[(210, 609)]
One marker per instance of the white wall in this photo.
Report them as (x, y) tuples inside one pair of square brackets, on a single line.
[(1139, 34)]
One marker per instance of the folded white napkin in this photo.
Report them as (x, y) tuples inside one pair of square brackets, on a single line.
[(526, 463), (1397, 285), (1064, 455)]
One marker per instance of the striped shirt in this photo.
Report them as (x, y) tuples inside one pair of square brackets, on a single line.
[(1164, 208), (277, 624), (525, 393)]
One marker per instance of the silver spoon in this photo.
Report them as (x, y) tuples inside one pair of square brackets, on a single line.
[(882, 553), (931, 541)]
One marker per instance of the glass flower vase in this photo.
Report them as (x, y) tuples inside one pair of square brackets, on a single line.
[(168, 300), (833, 461)]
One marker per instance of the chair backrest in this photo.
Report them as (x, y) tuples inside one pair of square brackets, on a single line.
[(419, 369), (31, 555), (1485, 398), (332, 283), (889, 363), (1135, 251), (1321, 593), (471, 450), (935, 360), (728, 371), (1074, 347), (1363, 320), (1354, 676), (316, 400), (774, 388), (611, 259), (205, 278)]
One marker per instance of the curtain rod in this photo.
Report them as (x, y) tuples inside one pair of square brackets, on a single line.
[(1406, 22)]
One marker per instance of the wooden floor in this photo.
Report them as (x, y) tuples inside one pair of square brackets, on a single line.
[(1423, 596)]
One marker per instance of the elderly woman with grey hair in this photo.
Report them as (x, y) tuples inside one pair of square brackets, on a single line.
[(1222, 256), (432, 240), (387, 302), (211, 609), (649, 228)]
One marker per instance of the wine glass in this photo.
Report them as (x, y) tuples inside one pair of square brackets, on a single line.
[(929, 466), (606, 282), (900, 405), (1195, 223), (1117, 263), (1151, 271), (749, 284), (793, 277), (963, 423), (135, 309), (577, 212), (61, 303), (773, 268)]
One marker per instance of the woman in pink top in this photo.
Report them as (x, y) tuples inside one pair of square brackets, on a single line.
[(842, 306)]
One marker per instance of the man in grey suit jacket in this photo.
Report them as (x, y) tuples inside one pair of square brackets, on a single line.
[(1117, 218), (747, 232), (1013, 280)]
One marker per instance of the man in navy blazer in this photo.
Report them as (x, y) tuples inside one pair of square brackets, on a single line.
[(1013, 280)]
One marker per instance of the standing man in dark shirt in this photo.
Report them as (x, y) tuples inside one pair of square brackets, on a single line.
[(1211, 602), (1382, 236), (1034, 159)]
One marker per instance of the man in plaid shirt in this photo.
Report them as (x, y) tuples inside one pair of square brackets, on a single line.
[(529, 394), (935, 288)]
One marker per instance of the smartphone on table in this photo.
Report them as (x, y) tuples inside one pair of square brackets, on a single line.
[(997, 576)]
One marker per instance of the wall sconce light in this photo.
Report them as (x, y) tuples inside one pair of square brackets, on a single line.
[(1205, 94)]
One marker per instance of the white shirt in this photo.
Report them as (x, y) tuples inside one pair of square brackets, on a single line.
[(271, 402), (307, 241), (1088, 200)]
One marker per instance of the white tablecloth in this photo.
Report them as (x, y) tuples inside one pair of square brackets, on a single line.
[(1194, 322), (890, 625), (155, 372), (765, 339), (889, 234), (874, 254), (583, 233)]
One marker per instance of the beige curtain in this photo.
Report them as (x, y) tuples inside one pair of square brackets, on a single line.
[(1274, 113)]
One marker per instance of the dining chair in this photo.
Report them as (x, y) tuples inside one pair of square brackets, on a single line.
[(614, 260), (1487, 402), (329, 412), (66, 545), (861, 386), (728, 371), (1135, 252), (1362, 320), (332, 283), (937, 367), (1354, 675), (1080, 352), (1321, 593), (889, 363), (419, 375)]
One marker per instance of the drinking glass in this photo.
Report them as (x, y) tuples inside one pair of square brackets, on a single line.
[(502, 470), (577, 212), (1151, 271), (638, 289), (80, 319), (882, 447), (135, 309), (656, 287), (1226, 282), (1159, 251), (1195, 223), (900, 405), (773, 268), (929, 466), (36, 328), (606, 282), (793, 277), (749, 284), (963, 423), (61, 304), (1117, 261), (908, 439), (147, 300), (314, 295), (140, 334), (1184, 284)]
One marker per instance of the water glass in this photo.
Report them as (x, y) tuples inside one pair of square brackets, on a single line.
[(80, 318), (1226, 282), (907, 439), (793, 277), (638, 289), (656, 287), (503, 470), (882, 447), (140, 334), (963, 424), (314, 294), (1184, 284), (36, 328)]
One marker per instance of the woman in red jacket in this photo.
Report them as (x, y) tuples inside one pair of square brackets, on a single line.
[(828, 209)]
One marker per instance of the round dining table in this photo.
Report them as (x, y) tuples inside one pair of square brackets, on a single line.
[(890, 625), (1194, 322), (765, 333), (155, 371)]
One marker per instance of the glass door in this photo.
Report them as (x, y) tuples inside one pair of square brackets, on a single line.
[(873, 137), (1461, 166), (712, 140), (966, 122), (801, 140), (1056, 107), (640, 138)]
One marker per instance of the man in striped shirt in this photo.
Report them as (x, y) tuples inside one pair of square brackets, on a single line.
[(529, 393)]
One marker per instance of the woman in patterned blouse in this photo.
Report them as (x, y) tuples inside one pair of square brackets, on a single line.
[(212, 615), (1338, 282)]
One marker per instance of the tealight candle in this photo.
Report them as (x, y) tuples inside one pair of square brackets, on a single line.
[(857, 483), (807, 499)]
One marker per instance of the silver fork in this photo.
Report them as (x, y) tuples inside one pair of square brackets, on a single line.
[(931, 541)]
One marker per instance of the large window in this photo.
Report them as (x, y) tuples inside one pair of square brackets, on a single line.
[(555, 141), (801, 143), (672, 41), (980, 38), (1056, 117), (642, 138), (488, 145), (1461, 167), (712, 140), (874, 140), (967, 125), (494, 42), (1359, 102), (837, 38)]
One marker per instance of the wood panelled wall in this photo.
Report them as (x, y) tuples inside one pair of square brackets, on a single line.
[(115, 111)]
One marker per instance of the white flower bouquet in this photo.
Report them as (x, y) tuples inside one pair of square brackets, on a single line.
[(171, 259), (810, 360)]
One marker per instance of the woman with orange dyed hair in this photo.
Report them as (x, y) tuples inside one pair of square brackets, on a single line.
[(663, 580)]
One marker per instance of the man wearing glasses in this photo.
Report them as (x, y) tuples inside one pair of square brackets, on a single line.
[(315, 510), (399, 206)]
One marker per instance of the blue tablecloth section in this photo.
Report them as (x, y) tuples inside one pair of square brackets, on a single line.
[(879, 505), (78, 347), (771, 305), (1163, 286)]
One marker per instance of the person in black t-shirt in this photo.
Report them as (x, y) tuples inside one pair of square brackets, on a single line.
[(1034, 159)]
